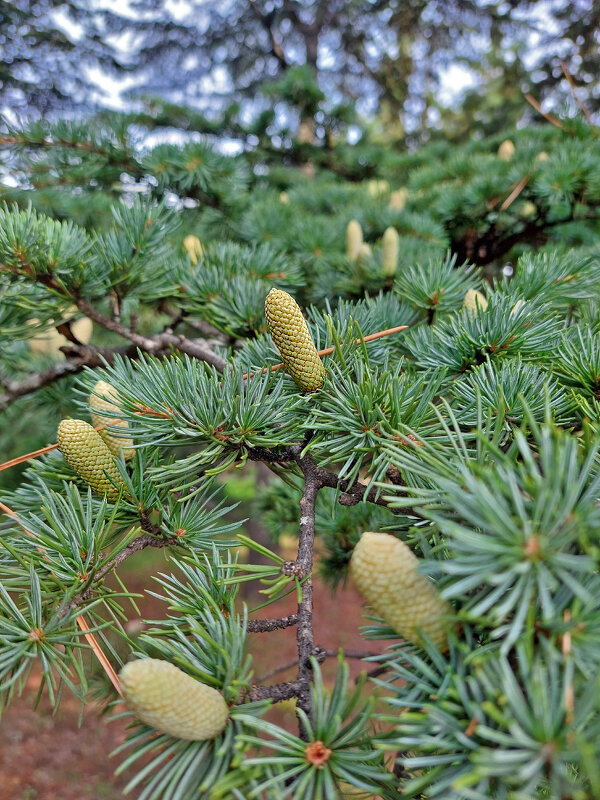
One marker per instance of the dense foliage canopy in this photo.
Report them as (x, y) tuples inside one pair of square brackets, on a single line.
[(471, 436)]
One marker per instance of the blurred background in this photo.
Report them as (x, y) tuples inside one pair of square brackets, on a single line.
[(291, 85), (268, 72)]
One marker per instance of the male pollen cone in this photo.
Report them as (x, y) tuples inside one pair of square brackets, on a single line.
[(104, 397), (84, 450), (168, 699), (385, 570), (293, 340)]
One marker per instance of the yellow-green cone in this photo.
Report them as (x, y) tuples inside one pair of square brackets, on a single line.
[(386, 573), (166, 698), (398, 199), (364, 254), (83, 449), (105, 397), (475, 301), (390, 249), (193, 245), (354, 239), (506, 150), (293, 340)]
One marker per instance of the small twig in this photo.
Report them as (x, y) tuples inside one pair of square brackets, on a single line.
[(267, 625), (550, 117), (277, 692), (515, 192), (571, 82)]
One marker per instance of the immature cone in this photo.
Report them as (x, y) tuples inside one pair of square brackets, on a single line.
[(375, 187), (166, 698), (385, 571), (398, 199), (354, 239), (293, 340), (364, 254), (193, 245), (83, 449), (105, 397), (390, 249), (506, 150), (475, 301), (49, 342)]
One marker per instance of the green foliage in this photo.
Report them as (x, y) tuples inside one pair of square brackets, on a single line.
[(472, 435)]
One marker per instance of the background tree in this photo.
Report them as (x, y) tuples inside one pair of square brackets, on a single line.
[(381, 57)]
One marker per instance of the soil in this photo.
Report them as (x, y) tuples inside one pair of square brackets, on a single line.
[(66, 756)]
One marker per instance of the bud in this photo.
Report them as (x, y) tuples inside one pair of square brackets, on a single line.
[(386, 573), (84, 451), (528, 209), (166, 698), (104, 397), (284, 198), (354, 239), (293, 340), (506, 150), (193, 245), (542, 156), (376, 188), (390, 248), (398, 199), (475, 301)]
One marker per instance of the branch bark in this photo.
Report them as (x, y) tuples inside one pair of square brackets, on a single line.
[(268, 625), (304, 630)]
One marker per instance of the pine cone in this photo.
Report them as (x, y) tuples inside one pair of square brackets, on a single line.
[(166, 698), (398, 199), (385, 571), (354, 239), (390, 244), (475, 301), (506, 150), (84, 450), (193, 245), (115, 444), (293, 340)]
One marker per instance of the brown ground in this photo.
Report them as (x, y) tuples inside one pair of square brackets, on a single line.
[(45, 757)]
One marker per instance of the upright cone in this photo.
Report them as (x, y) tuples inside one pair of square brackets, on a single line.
[(386, 573), (83, 449), (166, 698), (104, 397), (390, 250), (193, 245), (354, 239), (475, 301), (293, 340), (506, 150)]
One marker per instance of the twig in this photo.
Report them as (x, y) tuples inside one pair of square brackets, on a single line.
[(277, 692), (550, 117), (329, 350), (304, 630), (267, 625), (515, 192), (571, 82), (152, 344)]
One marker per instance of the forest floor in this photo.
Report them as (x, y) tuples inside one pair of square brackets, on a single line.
[(66, 756)]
